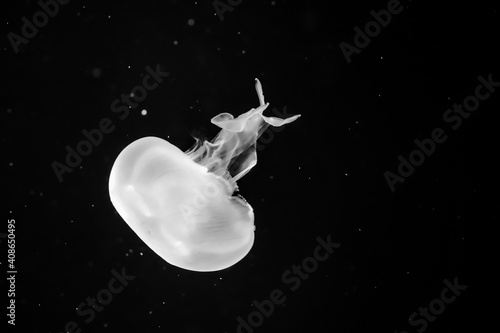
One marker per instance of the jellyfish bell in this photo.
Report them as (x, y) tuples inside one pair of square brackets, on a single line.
[(181, 211), (182, 205)]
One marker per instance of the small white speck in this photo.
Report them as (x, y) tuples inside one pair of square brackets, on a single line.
[(191, 22), (144, 112), (176, 42)]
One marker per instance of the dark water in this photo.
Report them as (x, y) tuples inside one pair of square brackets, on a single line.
[(393, 161)]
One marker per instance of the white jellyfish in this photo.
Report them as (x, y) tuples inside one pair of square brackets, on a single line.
[(182, 204)]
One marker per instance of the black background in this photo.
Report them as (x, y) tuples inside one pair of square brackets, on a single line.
[(322, 175)]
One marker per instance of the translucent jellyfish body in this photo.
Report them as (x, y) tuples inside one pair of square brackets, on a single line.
[(182, 204)]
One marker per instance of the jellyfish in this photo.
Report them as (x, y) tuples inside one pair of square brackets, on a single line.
[(183, 204)]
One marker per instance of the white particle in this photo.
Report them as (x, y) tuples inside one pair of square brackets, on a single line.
[(191, 22), (144, 112)]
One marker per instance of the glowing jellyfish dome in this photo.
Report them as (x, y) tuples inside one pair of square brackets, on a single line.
[(182, 204)]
